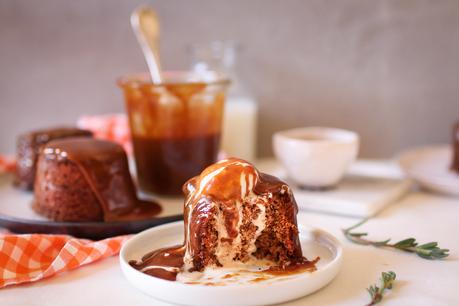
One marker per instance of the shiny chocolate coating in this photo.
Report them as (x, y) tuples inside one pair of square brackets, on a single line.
[(105, 169), (29, 146), (224, 182)]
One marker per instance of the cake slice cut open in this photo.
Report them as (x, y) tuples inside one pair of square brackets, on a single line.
[(234, 213), (234, 216)]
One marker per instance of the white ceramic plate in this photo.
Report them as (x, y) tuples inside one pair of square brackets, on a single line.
[(17, 215), (430, 167), (314, 242)]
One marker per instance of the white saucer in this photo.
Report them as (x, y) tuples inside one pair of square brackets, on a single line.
[(430, 167), (314, 242)]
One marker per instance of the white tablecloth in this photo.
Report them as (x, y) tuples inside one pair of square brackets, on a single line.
[(426, 217)]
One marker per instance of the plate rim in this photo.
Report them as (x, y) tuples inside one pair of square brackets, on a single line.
[(7, 218), (434, 183), (9, 221), (124, 262), (402, 156)]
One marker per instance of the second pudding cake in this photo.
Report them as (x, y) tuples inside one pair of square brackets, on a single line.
[(85, 179)]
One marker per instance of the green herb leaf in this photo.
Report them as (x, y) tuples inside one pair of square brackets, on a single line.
[(376, 293), (427, 251)]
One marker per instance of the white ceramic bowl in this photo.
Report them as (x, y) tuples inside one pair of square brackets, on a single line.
[(314, 242), (316, 157)]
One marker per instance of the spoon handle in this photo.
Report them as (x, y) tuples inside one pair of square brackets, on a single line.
[(145, 24)]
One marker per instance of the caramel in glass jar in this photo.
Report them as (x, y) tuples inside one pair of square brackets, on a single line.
[(175, 128)]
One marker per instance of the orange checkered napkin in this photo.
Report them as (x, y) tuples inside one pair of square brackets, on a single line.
[(32, 257), (7, 164)]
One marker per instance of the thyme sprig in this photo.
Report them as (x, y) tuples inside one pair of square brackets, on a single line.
[(376, 292), (427, 250)]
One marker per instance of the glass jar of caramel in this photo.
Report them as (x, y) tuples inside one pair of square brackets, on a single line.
[(175, 126)]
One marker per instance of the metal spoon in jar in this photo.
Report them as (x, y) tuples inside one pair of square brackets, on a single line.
[(145, 25)]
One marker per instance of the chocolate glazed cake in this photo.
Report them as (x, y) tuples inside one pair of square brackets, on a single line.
[(233, 215), (84, 179), (455, 161), (28, 148)]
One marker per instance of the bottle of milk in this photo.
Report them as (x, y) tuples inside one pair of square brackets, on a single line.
[(240, 119)]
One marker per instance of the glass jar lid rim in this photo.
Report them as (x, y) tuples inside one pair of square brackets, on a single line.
[(177, 77)]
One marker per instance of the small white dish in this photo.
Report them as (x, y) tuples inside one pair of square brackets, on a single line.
[(314, 243), (430, 168), (316, 157)]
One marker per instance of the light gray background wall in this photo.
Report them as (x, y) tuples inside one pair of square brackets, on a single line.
[(387, 69)]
